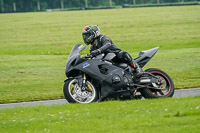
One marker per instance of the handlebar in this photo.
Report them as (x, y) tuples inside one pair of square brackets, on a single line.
[(87, 56), (90, 56)]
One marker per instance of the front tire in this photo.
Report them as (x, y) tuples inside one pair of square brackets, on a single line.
[(165, 85), (75, 94)]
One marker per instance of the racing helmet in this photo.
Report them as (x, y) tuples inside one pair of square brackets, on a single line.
[(90, 33)]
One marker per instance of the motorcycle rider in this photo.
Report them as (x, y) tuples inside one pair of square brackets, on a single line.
[(102, 44)]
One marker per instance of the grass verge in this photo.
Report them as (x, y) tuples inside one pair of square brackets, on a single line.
[(166, 115)]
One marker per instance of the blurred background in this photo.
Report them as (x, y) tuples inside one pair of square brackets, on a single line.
[(7, 6)]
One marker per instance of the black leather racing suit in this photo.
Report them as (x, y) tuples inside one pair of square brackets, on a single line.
[(105, 45)]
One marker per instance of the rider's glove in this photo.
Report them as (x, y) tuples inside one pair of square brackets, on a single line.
[(95, 52)]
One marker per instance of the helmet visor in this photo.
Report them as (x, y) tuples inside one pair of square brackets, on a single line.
[(87, 38)]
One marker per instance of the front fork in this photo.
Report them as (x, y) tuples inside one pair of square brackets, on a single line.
[(85, 86), (83, 82)]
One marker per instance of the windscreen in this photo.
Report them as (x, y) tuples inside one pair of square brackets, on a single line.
[(77, 49)]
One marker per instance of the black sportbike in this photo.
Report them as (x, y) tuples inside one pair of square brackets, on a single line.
[(98, 78)]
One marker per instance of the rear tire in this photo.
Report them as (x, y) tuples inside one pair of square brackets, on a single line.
[(167, 85), (74, 94)]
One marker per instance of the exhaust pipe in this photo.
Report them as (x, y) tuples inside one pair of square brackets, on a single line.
[(145, 81), (153, 80)]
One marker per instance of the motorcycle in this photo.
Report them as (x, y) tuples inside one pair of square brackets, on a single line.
[(98, 78)]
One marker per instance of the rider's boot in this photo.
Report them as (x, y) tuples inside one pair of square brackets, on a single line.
[(136, 67)]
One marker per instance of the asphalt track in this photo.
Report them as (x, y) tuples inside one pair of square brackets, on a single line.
[(178, 93)]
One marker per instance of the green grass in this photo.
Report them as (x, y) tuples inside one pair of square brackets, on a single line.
[(28, 77), (34, 46), (166, 115)]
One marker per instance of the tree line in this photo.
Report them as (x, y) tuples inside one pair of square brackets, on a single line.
[(43, 5)]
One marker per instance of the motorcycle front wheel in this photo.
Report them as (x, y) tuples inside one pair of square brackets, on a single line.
[(165, 85), (76, 94)]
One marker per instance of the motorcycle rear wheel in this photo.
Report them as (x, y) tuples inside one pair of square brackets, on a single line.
[(166, 85), (75, 94)]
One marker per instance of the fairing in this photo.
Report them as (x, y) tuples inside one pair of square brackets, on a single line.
[(145, 56)]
